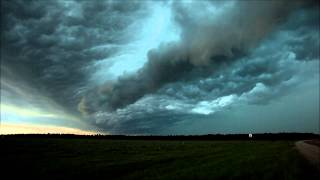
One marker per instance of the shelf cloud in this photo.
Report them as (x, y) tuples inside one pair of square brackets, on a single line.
[(160, 67)]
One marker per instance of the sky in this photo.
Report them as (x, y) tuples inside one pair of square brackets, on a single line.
[(159, 67)]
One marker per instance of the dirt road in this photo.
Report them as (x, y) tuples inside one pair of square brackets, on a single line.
[(310, 152)]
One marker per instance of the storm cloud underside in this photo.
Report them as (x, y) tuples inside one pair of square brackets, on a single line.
[(161, 67)]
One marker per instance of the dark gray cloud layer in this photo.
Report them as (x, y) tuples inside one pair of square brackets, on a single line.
[(53, 39), (229, 53), (205, 44)]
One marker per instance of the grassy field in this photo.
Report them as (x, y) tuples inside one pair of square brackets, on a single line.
[(138, 159)]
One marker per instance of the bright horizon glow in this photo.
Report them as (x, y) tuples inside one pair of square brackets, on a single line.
[(12, 114), (13, 128), (10, 109), (20, 103)]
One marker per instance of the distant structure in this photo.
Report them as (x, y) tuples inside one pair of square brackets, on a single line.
[(250, 135)]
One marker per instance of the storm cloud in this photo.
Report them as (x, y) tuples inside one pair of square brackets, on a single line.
[(56, 40), (148, 66), (208, 39)]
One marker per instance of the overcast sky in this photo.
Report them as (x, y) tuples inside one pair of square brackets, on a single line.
[(161, 67)]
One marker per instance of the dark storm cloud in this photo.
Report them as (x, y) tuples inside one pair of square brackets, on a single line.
[(250, 52), (54, 40), (148, 115), (206, 43), (274, 64), (178, 88)]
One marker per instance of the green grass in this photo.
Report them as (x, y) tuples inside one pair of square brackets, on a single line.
[(121, 159)]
